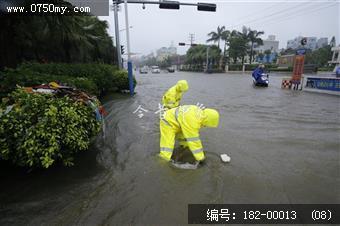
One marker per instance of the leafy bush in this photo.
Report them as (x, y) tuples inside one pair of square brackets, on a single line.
[(285, 69), (250, 67), (235, 67), (41, 129), (329, 68), (25, 77), (97, 79), (121, 80)]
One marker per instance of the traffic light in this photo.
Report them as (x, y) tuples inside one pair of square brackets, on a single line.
[(122, 49), (193, 44), (169, 5), (206, 7), (181, 44), (303, 41)]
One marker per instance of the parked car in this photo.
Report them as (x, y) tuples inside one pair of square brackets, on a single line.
[(171, 70), (155, 69), (143, 70)]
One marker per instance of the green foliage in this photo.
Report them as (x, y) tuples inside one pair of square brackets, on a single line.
[(41, 129), (217, 36), (329, 68), (239, 42), (10, 78), (121, 80), (197, 55), (238, 47), (251, 67), (235, 67), (319, 57), (254, 37), (54, 38), (287, 69), (96, 79)]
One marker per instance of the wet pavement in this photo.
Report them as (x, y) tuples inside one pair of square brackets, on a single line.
[(284, 147)]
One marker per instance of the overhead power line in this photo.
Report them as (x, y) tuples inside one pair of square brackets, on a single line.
[(301, 14), (246, 17), (275, 13), (284, 14)]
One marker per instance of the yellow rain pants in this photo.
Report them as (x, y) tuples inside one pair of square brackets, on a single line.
[(184, 122)]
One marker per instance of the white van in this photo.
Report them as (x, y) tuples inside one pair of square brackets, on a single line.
[(155, 69)]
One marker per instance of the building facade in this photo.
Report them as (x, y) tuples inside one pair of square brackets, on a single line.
[(269, 44), (164, 52), (312, 43)]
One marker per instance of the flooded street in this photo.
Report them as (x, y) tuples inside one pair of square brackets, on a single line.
[(284, 147)]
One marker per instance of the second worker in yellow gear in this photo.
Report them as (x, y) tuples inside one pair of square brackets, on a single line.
[(173, 96), (184, 122)]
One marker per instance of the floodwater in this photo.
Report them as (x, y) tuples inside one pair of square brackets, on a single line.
[(284, 148)]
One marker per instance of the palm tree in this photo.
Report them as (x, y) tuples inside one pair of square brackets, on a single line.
[(216, 36), (238, 46), (54, 38), (225, 37), (253, 37), (245, 36)]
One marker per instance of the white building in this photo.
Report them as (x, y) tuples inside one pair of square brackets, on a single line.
[(335, 56), (165, 52), (312, 43), (269, 44), (322, 42)]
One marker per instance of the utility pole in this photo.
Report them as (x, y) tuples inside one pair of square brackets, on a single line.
[(191, 38), (162, 5), (119, 56), (129, 63)]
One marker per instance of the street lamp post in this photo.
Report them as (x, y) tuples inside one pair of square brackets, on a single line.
[(119, 56), (129, 63), (162, 5)]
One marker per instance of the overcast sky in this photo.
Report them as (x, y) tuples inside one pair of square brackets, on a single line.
[(153, 28)]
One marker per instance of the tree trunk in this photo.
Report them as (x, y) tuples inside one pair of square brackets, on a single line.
[(251, 52)]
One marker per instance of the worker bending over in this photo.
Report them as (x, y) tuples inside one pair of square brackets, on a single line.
[(185, 122), (173, 96)]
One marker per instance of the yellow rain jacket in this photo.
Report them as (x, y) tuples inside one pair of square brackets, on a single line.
[(173, 96), (185, 123)]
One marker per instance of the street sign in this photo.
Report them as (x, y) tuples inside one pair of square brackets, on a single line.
[(300, 52), (169, 5), (303, 41), (206, 7)]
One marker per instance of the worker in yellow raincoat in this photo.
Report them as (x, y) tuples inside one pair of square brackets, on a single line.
[(184, 122), (173, 96)]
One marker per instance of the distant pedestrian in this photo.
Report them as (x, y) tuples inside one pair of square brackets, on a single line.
[(337, 72)]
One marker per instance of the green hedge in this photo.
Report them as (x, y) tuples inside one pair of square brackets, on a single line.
[(25, 77), (250, 67), (41, 129), (287, 69), (235, 67), (329, 69), (97, 79)]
